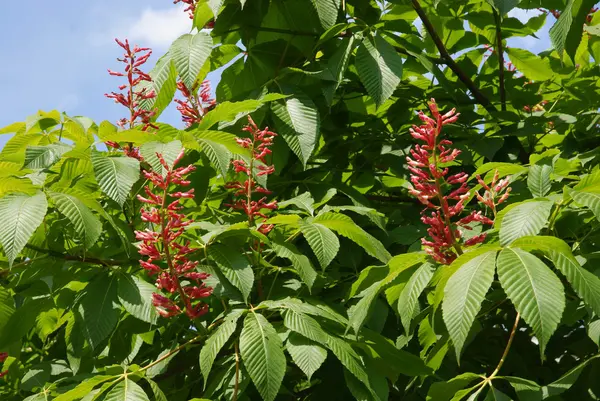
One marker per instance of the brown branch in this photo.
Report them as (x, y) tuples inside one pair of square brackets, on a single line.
[(477, 94), (500, 52), (60, 255)]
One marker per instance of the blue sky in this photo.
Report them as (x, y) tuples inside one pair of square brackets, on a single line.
[(55, 53)]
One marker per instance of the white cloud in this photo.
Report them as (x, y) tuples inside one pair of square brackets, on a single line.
[(159, 28), (155, 28)]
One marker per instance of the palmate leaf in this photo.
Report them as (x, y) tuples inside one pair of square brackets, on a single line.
[(86, 224), (346, 227), (300, 262), (216, 341), (21, 215), (585, 283), (189, 53), (532, 66), (538, 180), (327, 10), (526, 218), (408, 301), (297, 119), (116, 175), (235, 267), (126, 390), (322, 241), (135, 295), (379, 68), (307, 355), (164, 84), (534, 289), (37, 157), (566, 33), (168, 151), (463, 294), (98, 310), (262, 354)]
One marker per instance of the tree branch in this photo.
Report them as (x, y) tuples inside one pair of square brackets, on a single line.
[(60, 255), (500, 52), (477, 94)]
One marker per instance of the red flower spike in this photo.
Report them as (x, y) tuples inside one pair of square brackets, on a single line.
[(131, 98), (429, 177), (259, 144), (175, 272), (3, 356), (191, 6), (195, 105)]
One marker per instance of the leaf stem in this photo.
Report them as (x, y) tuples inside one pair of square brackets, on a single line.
[(477, 94), (506, 350), (236, 387)]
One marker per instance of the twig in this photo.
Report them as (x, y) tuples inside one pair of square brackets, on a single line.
[(477, 94), (500, 53), (60, 255), (236, 387)]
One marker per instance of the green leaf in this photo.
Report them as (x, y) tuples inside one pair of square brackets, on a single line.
[(305, 325), (83, 388), (322, 241), (408, 302), (300, 262), (532, 66), (346, 227), (585, 283), (215, 342), (538, 180), (444, 391), (127, 390), (21, 215), (235, 267), (38, 157), (232, 111), (463, 294), (22, 320), (168, 151), (534, 289), (504, 6), (135, 295), (379, 68), (566, 33), (350, 359), (327, 10), (116, 175), (217, 154), (526, 218), (589, 197), (298, 121), (189, 53), (164, 84), (99, 310), (306, 354), (359, 312), (262, 354), (86, 224)]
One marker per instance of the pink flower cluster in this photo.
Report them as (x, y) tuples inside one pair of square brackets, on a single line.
[(430, 177), (191, 6), (131, 98), (195, 105), (166, 255), (259, 145), (556, 13), (496, 188), (3, 356)]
